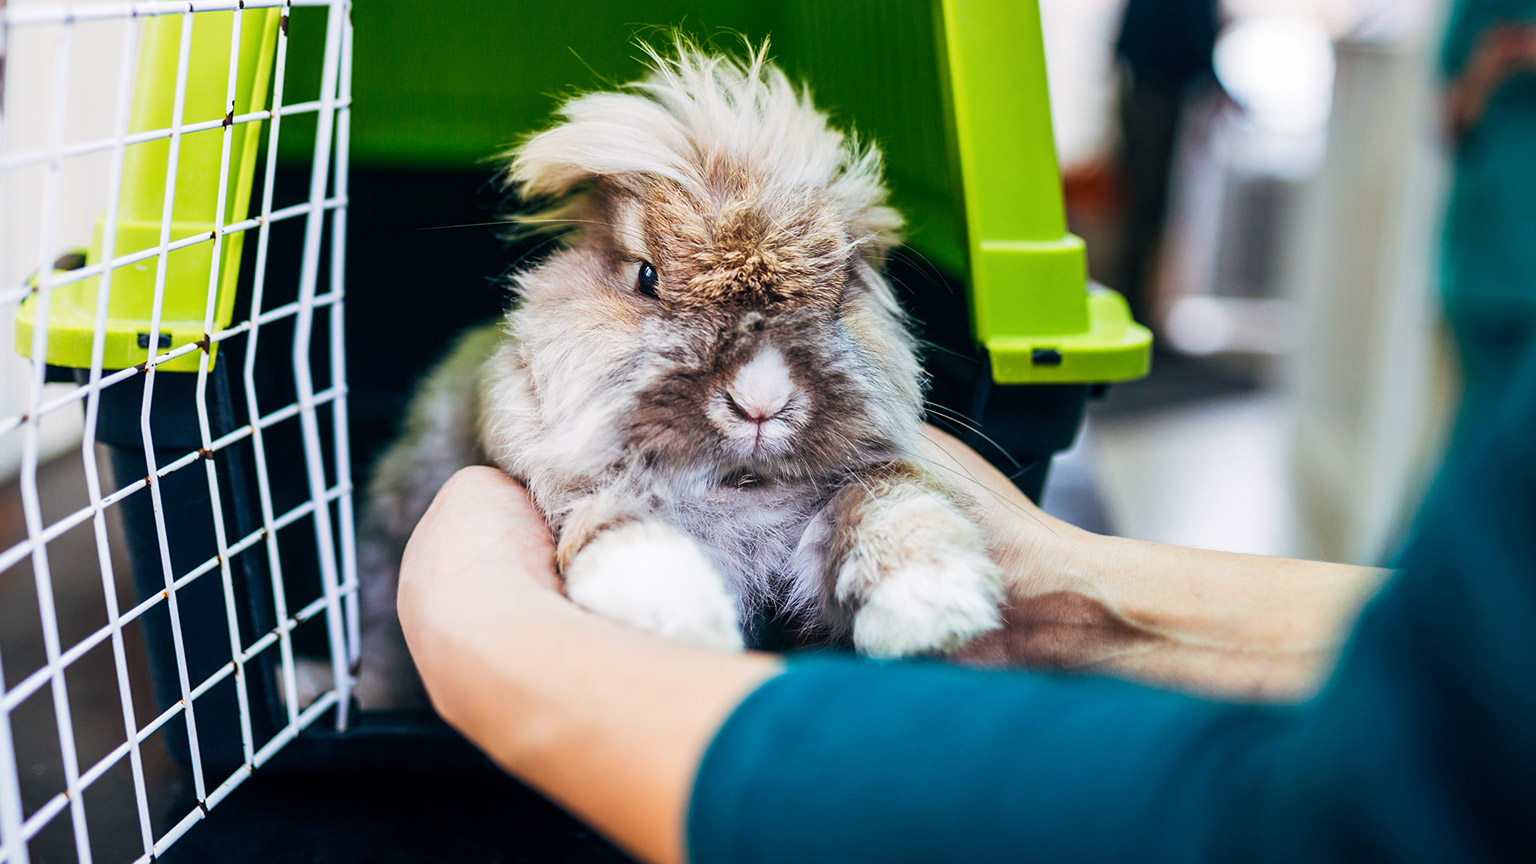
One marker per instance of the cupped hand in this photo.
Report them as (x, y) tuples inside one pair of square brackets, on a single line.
[(480, 549), (1053, 618)]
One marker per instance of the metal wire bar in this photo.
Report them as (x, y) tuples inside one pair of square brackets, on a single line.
[(53, 806), (204, 428), (304, 380), (14, 848), (258, 441), (81, 274), (340, 433), (281, 740), (98, 145), (34, 682), (69, 397), (62, 526), (126, 76), (337, 563), (199, 785), (31, 505)]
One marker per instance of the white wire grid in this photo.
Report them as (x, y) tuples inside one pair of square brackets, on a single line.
[(333, 547)]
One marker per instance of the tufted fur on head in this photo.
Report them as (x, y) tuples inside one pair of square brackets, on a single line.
[(764, 228), (707, 123)]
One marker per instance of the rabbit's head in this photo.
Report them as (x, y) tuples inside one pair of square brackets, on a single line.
[(718, 303)]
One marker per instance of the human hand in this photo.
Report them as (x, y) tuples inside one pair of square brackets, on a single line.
[(1054, 618), (1216, 623), (1508, 47), (606, 720), (481, 548), (1502, 50)]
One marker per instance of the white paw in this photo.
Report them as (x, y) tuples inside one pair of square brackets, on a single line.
[(928, 607), (648, 575)]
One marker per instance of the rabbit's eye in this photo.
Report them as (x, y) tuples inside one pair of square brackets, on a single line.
[(645, 280)]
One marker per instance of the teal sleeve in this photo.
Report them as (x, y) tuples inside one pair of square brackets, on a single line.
[(1460, 31), (838, 760), (1420, 748)]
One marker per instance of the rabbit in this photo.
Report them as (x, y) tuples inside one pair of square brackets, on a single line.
[(709, 390)]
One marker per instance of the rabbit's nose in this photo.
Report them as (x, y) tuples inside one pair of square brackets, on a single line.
[(762, 386), (753, 322)]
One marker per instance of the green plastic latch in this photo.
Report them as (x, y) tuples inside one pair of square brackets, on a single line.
[(1030, 303), (72, 307)]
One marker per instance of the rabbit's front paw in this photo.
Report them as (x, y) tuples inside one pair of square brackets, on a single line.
[(648, 575), (926, 609), (923, 582)]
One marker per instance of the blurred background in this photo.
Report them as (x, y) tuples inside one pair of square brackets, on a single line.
[(1265, 180)]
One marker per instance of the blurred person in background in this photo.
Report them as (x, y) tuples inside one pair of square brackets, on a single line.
[(1488, 268), (1165, 49)]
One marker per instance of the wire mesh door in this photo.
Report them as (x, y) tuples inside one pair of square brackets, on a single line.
[(178, 530)]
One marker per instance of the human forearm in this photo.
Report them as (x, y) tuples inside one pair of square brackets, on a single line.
[(1214, 622), (613, 732), (608, 721), (1218, 623)]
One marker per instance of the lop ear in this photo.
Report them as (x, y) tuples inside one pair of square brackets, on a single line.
[(880, 226), (860, 190), (599, 135)]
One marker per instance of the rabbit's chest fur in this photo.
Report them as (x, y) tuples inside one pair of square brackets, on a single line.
[(751, 530), (565, 452)]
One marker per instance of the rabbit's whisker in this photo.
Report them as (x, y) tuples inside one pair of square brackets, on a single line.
[(974, 426), (965, 473), (465, 225), (912, 255), (929, 343)]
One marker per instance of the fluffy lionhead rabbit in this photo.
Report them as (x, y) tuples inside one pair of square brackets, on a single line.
[(709, 390)]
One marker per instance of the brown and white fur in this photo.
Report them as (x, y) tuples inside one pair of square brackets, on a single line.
[(733, 435)]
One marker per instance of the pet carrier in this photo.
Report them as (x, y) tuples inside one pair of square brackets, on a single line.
[(228, 403), (219, 469)]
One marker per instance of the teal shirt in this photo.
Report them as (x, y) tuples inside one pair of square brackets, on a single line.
[(1422, 746), (1488, 268)]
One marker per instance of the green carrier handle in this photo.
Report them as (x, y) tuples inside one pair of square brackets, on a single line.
[(189, 270), (1028, 275)]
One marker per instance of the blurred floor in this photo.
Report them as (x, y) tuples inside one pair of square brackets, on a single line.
[(91, 682), (1211, 473), (1194, 455)]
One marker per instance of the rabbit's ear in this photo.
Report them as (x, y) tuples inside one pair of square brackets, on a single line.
[(880, 228), (859, 189), (600, 135)]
